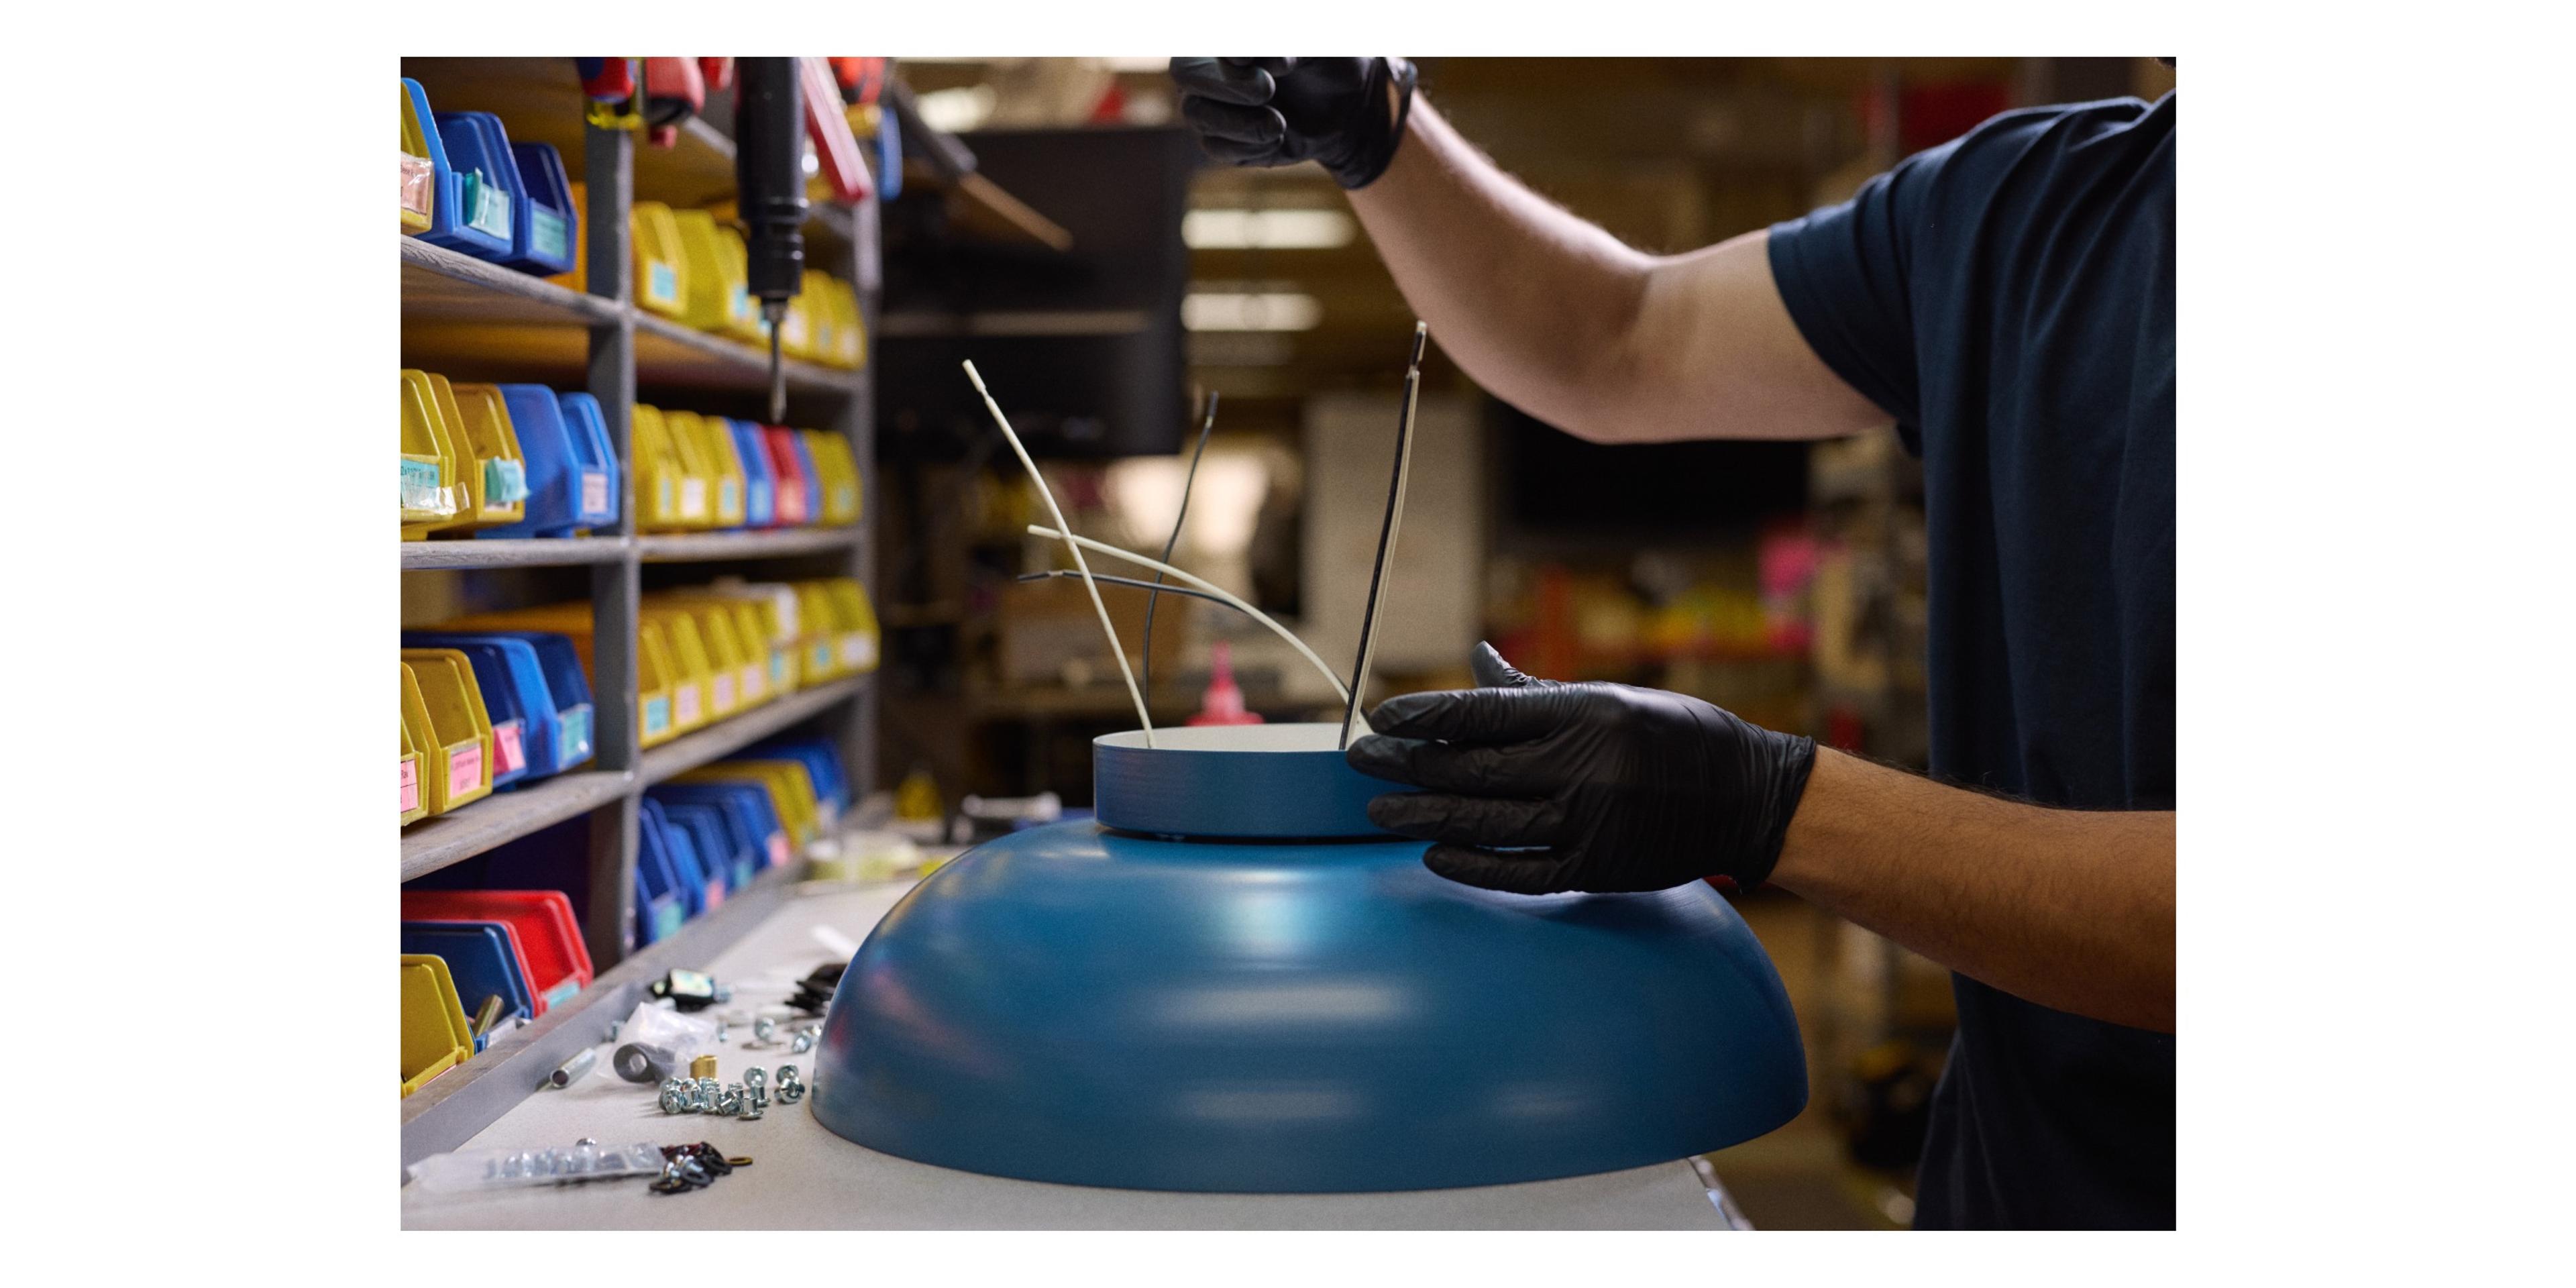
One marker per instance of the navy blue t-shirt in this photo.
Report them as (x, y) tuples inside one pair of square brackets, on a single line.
[(2008, 297)]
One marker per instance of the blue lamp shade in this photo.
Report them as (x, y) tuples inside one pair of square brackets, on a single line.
[(1084, 1005)]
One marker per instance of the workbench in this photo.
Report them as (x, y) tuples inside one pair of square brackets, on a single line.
[(804, 1177)]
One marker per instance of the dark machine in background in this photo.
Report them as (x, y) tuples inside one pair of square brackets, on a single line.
[(1083, 347), (1554, 484)]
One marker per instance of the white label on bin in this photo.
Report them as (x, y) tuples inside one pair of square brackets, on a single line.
[(778, 851), (420, 490), (858, 650), (491, 210), (778, 668), (564, 992), (464, 770), (753, 683), (662, 283), (508, 753), (547, 233), (410, 784), (725, 500), (684, 703), (594, 492), (657, 715), (693, 498), (724, 690), (576, 735)]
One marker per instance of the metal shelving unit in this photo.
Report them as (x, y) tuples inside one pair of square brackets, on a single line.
[(473, 319)]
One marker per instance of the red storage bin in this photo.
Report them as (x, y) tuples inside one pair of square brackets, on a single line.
[(795, 489), (552, 957)]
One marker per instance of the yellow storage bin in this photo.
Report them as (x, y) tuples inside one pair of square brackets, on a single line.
[(415, 802), (661, 270), (660, 478), (419, 173), (736, 644), (854, 623), (791, 790), (848, 345), (742, 313), (435, 1036), (430, 497), (768, 611), (839, 471), (466, 485), (459, 729), (818, 656), (713, 278), (499, 466), (692, 674), (715, 634), (726, 482), (698, 476)]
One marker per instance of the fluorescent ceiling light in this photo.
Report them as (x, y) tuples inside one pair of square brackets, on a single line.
[(1251, 311), (956, 111), (1267, 229)]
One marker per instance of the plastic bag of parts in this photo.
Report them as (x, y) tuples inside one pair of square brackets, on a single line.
[(655, 1024), (469, 1170)]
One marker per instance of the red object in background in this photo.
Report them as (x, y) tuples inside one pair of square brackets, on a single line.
[(862, 80), (716, 72), (608, 80), (1554, 651), (1112, 107), (1843, 729), (835, 147), (758, 443), (1935, 114), (789, 492), (552, 958), (674, 91), (1223, 702)]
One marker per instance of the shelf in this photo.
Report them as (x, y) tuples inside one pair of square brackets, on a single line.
[(434, 843), (982, 209), (717, 741), (667, 353), (911, 324), (440, 285), (466, 1099), (709, 547), (554, 552)]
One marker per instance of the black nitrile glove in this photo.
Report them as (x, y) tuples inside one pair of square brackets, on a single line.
[(1536, 787), (1278, 111)]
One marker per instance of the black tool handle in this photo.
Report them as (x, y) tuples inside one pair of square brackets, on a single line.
[(769, 175)]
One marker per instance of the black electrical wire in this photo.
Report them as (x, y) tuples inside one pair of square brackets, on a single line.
[(1147, 681), (1386, 530)]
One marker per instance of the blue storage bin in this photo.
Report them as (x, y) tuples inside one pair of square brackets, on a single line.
[(487, 187), (447, 186), (661, 898), (568, 685), (759, 486), (697, 891), (822, 761), (728, 858), (545, 227), (813, 481), (554, 473), (510, 664), (480, 959), (755, 819), (595, 460)]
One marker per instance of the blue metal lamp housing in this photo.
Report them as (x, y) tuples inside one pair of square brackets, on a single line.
[(1103, 1005)]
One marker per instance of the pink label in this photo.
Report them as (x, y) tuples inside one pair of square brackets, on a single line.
[(753, 685), (410, 785), (684, 704), (715, 893), (777, 848), (464, 770), (724, 688), (507, 754)]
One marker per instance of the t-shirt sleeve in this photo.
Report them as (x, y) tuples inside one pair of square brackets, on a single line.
[(1844, 273)]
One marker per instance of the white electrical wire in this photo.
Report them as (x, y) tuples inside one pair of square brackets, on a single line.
[(1072, 543), (1102, 547)]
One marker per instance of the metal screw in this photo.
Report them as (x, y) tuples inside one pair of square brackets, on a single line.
[(704, 1095), (676, 1097), (791, 1088), (754, 1078), (764, 1030), (804, 1042), (729, 1100)]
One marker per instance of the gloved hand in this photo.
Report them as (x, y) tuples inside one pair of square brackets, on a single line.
[(1614, 788), (1278, 111)]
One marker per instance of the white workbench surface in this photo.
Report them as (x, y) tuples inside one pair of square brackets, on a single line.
[(804, 1177)]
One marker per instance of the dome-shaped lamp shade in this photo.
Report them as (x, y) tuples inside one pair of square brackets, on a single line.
[(1081, 1005)]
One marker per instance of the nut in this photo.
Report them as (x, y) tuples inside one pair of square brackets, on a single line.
[(702, 1067)]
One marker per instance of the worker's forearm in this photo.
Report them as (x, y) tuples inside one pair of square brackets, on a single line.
[(2067, 908), (1533, 302)]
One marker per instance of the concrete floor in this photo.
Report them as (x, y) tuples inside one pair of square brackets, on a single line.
[(1800, 1177)]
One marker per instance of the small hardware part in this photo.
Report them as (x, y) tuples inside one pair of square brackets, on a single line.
[(702, 1067), (691, 990), (764, 1032), (791, 1087), (803, 1043), (644, 1062), (814, 992), (487, 1015), (574, 1069)]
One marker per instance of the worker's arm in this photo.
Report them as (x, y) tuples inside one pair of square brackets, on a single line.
[(1536, 787), (1561, 320), (2067, 908), (1545, 310)]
